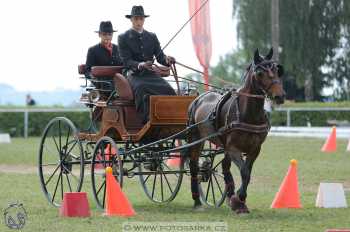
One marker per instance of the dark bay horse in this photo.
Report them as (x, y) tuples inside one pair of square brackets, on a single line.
[(243, 122)]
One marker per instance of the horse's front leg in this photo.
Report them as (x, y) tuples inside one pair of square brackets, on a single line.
[(237, 204), (245, 171)]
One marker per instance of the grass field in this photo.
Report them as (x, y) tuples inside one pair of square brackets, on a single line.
[(313, 167)]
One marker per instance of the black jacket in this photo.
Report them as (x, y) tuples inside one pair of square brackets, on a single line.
[(99, 56), (137, 47)]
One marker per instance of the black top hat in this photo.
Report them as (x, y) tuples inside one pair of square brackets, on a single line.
[(106, 26), (136, 11)]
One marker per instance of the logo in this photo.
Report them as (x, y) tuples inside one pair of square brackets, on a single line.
[(15, 216)]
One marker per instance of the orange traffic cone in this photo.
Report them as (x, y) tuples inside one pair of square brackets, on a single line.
[(331, 142), (116, 202), (288, 195)]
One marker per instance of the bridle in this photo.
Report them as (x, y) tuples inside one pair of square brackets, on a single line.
[(267, 66)]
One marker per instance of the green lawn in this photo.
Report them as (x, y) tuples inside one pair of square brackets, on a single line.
[(313, 167)]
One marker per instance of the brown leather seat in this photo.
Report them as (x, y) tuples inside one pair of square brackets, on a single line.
[(105, 71), (123, 87), (81, 69)]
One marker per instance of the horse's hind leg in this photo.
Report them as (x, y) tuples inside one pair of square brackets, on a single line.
[(229, 182), (194, 169)]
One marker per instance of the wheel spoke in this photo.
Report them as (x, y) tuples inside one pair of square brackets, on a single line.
[(217, 164), (104, 195), (102, 185), (54, 140), (59, 135), (61, 185), (161, 186), (212, 189), (144, 181), (217, 182), (177, 175), (70, 172), (75, 143), (54, 172), (167, 181), (54, 194), (70, 187), (206, 197), (154, 183), (49, 164), (65, 150)]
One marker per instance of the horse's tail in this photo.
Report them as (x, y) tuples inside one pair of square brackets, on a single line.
[(192, 109), (191, 112)]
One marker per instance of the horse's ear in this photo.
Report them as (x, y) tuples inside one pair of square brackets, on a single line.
[(257, 57), (269, 55)]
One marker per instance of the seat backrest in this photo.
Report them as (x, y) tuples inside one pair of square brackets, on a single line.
[(105, 71), (81, 69), (123, 87)]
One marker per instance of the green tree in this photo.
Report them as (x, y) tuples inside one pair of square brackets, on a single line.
[(312, 34)]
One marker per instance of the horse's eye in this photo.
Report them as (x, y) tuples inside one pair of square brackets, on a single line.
[(259, 73)]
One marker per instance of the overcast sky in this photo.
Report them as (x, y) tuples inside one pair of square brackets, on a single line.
[(43, 41)]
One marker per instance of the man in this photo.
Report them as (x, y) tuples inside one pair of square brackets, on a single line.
[(104, 53), (30, 101), (138, 48)]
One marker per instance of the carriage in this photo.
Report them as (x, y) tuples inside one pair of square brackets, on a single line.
[(156, 152)]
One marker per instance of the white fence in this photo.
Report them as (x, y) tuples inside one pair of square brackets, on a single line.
[(26, 112), (313, 132), (295, 109)]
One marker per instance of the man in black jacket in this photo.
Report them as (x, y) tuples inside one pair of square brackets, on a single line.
[(104, 53), (138, 48)]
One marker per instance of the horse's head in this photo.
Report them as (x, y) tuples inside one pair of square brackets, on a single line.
[(267, 75)]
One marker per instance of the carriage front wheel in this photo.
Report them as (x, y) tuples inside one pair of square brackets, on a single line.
[(105, 155), (61, 160)]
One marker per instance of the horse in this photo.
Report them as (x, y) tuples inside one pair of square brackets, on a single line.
[(240, 118)]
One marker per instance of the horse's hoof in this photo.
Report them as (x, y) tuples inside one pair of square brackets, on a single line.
[(198, 208), (242, 211), (238, 206), (228, 201)]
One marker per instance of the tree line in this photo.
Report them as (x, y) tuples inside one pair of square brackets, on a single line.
[(313, 46)]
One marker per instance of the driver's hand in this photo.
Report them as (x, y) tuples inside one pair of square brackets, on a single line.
[(170, 60), (145, 65)]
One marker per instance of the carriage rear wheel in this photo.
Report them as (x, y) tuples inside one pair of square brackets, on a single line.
[(61, 160), (105, 155), (211, 180), (161, 176)]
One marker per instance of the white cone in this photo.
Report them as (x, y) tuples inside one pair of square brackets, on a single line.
[(5, 138), (348, 146), (331, 195)]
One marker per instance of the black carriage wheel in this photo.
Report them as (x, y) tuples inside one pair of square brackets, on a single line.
[(211, 180), (105, 155), (160, 180), (61, 160)]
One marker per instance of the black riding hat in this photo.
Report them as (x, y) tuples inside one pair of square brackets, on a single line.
[(106, 26), (136, 11)]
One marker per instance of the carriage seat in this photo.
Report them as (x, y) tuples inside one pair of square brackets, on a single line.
[(123, 87), (122, 84)]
